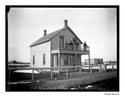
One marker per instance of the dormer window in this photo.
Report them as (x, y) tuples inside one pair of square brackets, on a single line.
[(61, 42)]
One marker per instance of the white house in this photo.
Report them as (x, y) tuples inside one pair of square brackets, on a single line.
[(60, 48)]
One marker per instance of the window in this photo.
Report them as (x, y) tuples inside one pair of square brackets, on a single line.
[(61, 41), (33, 59), (44, 59)]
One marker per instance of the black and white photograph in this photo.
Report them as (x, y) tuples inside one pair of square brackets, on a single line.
[(62, 48)]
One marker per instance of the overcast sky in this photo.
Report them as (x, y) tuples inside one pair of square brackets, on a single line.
[(96, 26)]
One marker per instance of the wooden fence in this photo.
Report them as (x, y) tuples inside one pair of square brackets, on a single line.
[(66, 69)]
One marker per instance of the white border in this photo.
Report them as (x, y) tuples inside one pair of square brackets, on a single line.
[(58, 2)]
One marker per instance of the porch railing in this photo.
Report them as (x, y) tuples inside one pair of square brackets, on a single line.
[(75, 49)]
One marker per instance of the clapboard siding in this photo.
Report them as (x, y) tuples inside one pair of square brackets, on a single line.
[(38, 52)]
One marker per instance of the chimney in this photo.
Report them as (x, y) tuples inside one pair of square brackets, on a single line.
[(45, 32), (65, 23)]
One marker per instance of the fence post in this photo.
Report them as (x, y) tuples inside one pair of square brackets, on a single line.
[(32, 73), (51, 70), (112, 67), (9, 71), (91, 69), (67, 72), (100, 69), (8, 85), (80, 71), (105, 67)]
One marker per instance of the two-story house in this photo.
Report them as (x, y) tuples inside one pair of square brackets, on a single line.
[(59, 48)]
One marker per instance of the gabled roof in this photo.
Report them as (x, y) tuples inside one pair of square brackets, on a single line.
[(51, 35)]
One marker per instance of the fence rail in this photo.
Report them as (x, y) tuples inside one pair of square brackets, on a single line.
[(66, 69)]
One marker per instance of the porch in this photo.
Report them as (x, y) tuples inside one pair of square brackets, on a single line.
[(62, 57)]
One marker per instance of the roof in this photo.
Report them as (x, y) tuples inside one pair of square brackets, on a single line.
[(51, 35)]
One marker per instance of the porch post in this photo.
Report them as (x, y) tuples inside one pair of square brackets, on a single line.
[(51, 61), (59, 59), (89, 58), (76, 60), (69, 60)]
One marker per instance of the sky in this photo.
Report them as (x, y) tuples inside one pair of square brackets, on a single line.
[(96, 26)]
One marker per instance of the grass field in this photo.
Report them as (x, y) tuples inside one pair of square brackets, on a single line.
[(43, 82)]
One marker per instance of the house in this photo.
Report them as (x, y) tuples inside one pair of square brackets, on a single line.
[(59, 48)]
